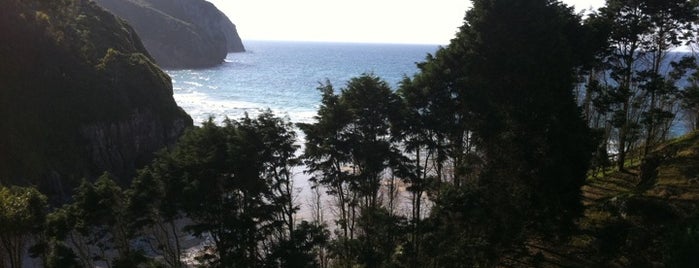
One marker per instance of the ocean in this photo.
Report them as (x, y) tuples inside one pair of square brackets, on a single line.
[(284, 77)]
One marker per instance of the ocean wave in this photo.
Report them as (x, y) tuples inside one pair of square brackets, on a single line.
[(191, 83), (284, 77)]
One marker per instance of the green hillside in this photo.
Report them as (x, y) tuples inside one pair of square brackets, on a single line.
[(79, 95), (646, 216)]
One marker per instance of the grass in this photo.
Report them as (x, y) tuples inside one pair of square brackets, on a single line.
[(626, 224)]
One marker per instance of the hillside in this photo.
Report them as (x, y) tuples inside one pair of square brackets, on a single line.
[(79, 95), (179, 33), (646, 216)]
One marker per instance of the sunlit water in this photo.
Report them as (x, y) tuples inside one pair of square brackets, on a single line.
[(284, 76)]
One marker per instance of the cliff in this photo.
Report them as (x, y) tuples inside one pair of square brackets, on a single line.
[(180, 33), (79, 95), (235, 44)]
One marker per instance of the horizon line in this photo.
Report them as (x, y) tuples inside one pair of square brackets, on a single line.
[(342, 42)]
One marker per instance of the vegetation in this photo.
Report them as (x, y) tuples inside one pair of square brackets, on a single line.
[(73, 75), (502, 161), (632, 94), (182, 34), (22, 212)]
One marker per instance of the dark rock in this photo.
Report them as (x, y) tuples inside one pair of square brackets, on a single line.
[(235, 44), (180, 33), (79, 95)]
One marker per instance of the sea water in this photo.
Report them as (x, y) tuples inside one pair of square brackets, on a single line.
[(284, 77)]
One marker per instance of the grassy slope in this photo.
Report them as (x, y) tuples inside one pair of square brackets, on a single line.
[(630, 222)]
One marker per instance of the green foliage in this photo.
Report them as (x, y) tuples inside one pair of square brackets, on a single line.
[(200, 31), (350, 150), (498, 103), (93, 224), (234, 182), (529, 128), (73, 99), (381, 238), (353, 130), (640, 76), (22, 212), (301, 248), (488, 133), (60, 255), (154, 206)]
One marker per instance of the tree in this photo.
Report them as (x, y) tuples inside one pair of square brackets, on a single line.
[(641, 97), (327, 154), (435, 132), (224, 192), (349, 150), (235, 182), (280, 148), (381, 237), (690, 100), (94, 224), (59, 255), (22, 214), (155, 206), (371, 106), (301, 248), (521, 138)]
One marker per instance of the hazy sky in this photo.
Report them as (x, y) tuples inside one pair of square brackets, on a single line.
[(375, 21)]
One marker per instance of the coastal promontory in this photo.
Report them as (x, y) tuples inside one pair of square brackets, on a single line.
[(179, 33), (79, 95)]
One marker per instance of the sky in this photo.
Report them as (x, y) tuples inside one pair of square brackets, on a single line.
[(362, 21)]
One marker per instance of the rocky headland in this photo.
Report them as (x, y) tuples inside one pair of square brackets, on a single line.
[(179, 33)]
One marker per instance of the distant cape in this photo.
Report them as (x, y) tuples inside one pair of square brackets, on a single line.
[(179, 33)]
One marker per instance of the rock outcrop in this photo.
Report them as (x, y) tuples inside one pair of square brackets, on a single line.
[(235, 44), (79, 95), (180, 33)]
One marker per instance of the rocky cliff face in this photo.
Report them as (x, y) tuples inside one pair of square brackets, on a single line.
[(180, 33), (231, 33), (79, 95)]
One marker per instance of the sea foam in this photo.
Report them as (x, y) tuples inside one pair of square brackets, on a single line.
[(284, 76)]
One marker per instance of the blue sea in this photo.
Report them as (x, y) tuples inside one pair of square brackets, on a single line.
[(284, 77)]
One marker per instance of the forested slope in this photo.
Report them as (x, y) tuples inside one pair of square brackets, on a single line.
[(79, 95)]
